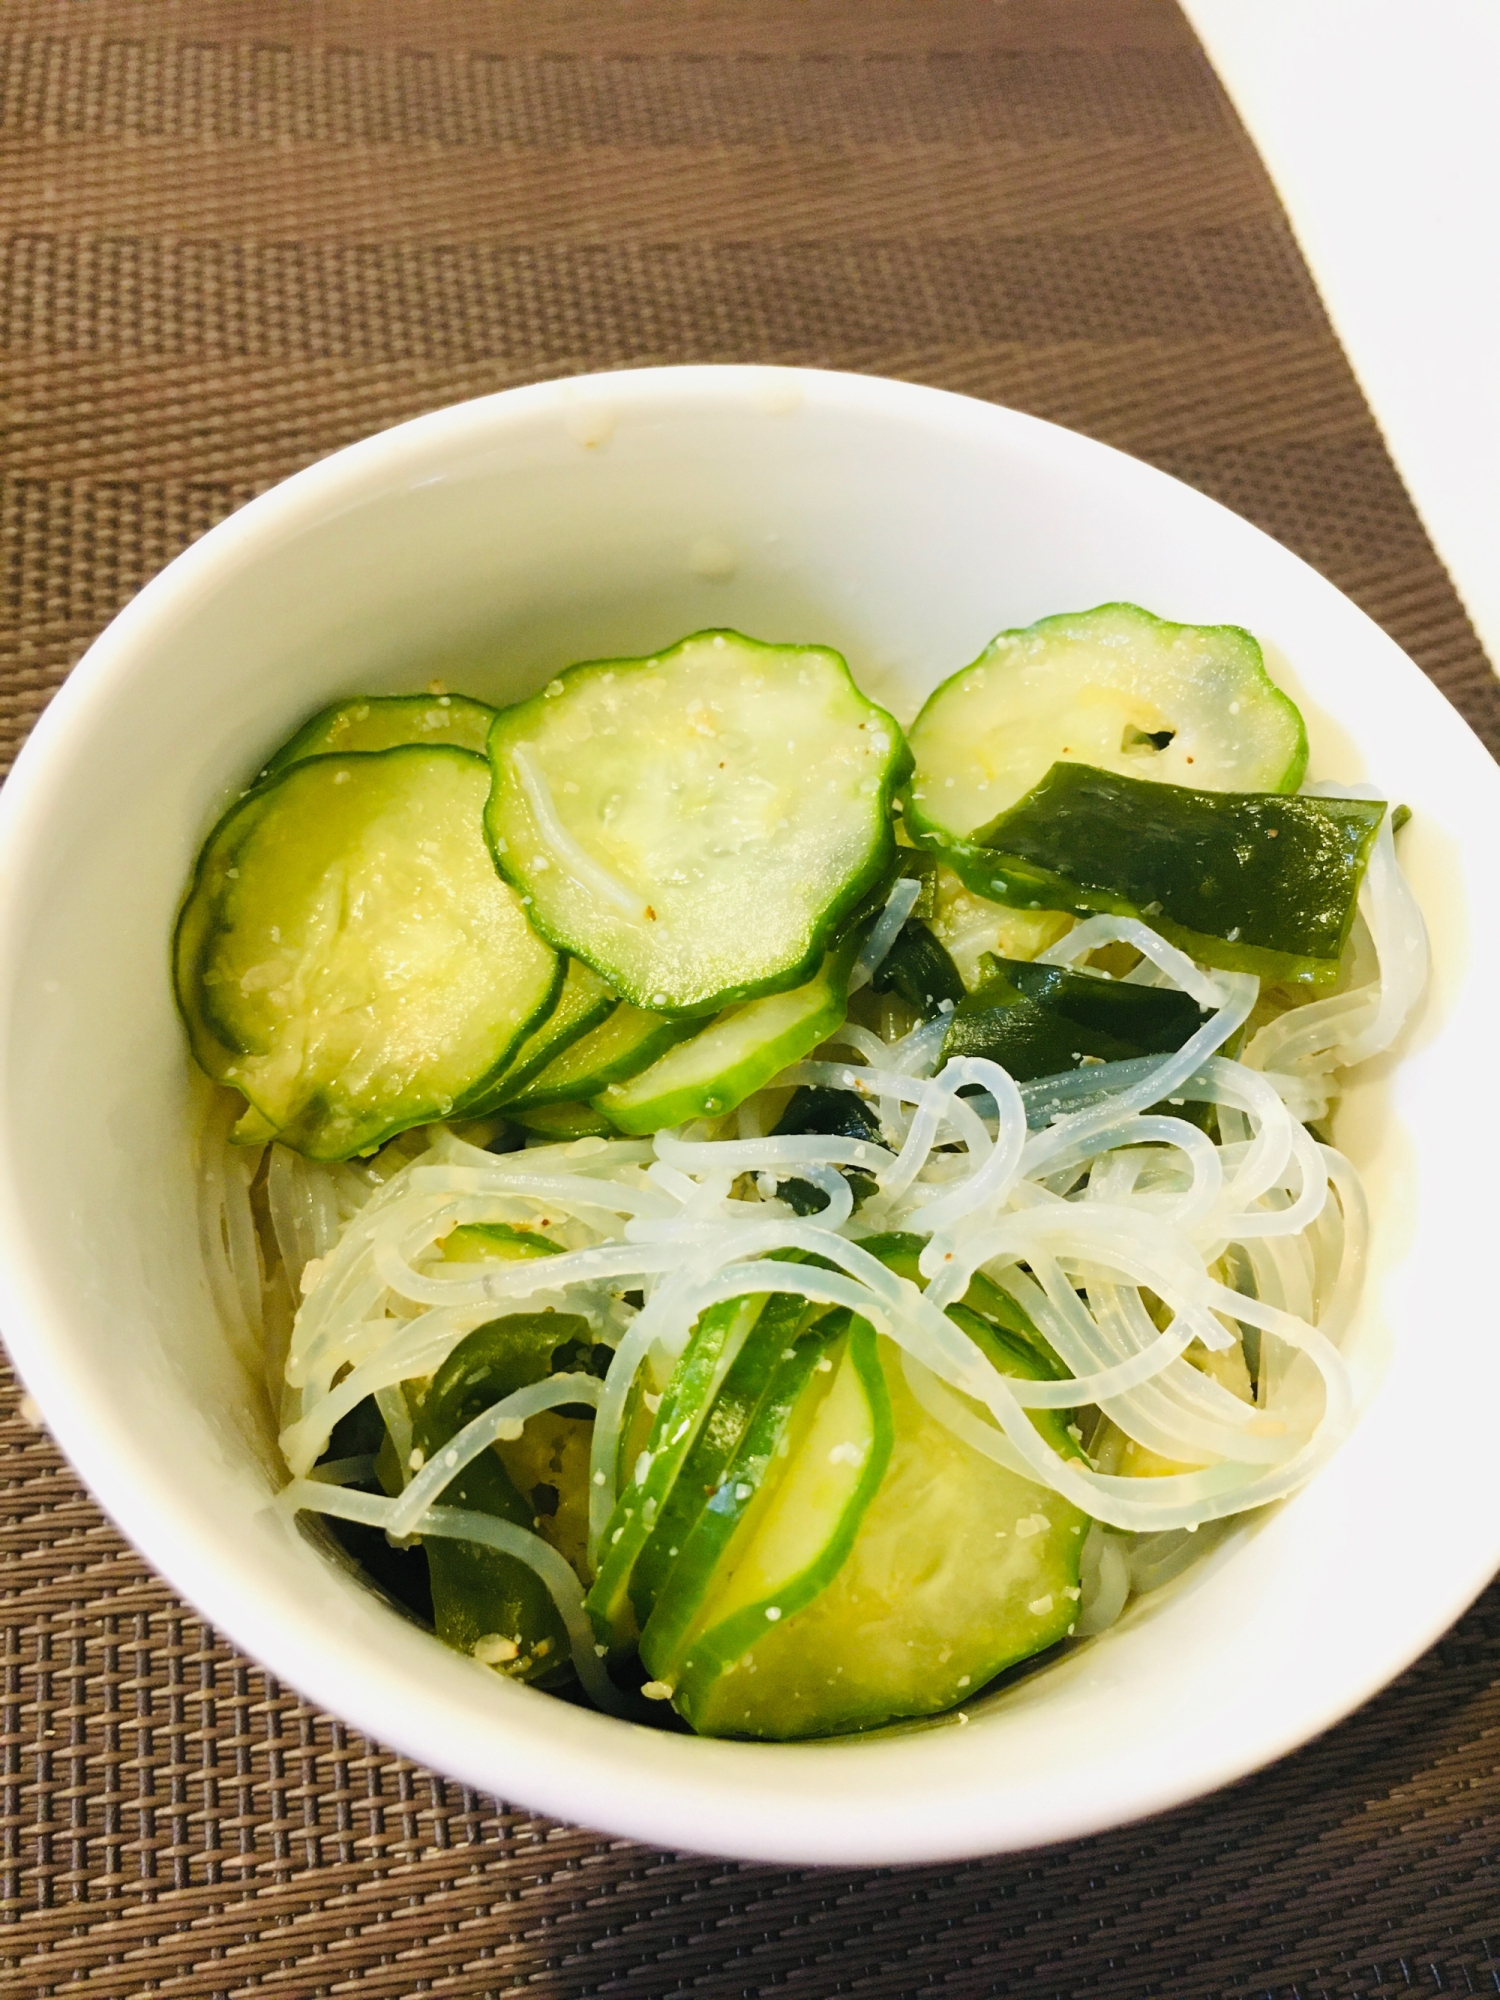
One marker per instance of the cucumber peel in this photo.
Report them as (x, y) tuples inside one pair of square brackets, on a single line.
[(715, 1340), (564, 1121), (583, 1001), (495, 1243), (628, 1040), (718, 1438), (796, 1533), (734, 1056)]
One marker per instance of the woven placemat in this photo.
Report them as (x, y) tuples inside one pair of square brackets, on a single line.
[(241, 233)]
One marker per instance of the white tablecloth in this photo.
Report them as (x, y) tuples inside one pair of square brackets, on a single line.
[(1379, 121)]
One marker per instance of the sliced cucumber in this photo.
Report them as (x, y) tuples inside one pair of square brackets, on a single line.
[(495, 1243), (564, 1121), (685, 1403), (626, 1041), (795, 1512), (717, 1440), (582, 1003), (251, 1129), (348, 958), (696, 824), (893, 1603), (1115, 688), (381, 721), (734, 1056)]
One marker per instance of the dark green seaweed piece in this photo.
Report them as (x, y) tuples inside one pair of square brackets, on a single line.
[(1253, 881), (830, 1114), (918, 967), (476, 1590), (1039, 1020), (400, 1572)]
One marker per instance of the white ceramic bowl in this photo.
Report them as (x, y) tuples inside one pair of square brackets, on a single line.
[(491, 544)]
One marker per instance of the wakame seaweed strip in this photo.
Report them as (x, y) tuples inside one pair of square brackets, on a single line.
[(1253, 881), (478, 1591), (1038, 1020), (830, 1114), (918, 967)]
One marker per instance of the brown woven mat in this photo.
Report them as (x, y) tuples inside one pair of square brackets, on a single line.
[(240, 233)]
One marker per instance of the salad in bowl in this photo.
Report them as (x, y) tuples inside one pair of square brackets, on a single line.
[(765, 1220)]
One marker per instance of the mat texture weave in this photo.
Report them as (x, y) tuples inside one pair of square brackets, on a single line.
[(241, 233)]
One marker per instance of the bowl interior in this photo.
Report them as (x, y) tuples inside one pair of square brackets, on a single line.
[(487, 546)]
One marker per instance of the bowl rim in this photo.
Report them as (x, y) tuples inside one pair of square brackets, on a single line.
[(572, 1778)]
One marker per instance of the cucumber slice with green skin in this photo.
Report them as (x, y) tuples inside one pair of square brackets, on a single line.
[(698, 1595), (1040, 1020), (495, 1243), (478, 1591), (565, 1121), (583, 1002), (250, 1128), (380, 722), (696, 825), (718, 1439), (998, 1315), (626, 1041), (347, 957), (734, 1056), (1115, 688), (952, 1570), (685, 1402), (1252, 881)]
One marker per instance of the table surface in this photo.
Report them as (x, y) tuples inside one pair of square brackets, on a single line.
[(241, 233)]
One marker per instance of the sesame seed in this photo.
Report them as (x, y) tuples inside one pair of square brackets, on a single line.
[(493, 1648)]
